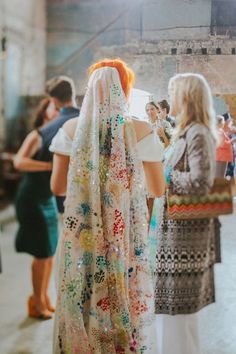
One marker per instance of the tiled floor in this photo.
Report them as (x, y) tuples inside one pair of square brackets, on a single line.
[(21, 335)]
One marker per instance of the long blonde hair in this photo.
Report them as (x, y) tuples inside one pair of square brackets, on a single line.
[(191, 99)]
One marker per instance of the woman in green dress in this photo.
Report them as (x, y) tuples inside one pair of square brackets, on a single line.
[(36, 213)]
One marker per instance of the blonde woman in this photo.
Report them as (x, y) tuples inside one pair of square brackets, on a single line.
[(186, 249)]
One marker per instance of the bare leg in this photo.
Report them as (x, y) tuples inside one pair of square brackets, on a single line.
[(39, 268), (47, 277)]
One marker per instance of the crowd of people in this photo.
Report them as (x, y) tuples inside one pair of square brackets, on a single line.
[(100, 170)]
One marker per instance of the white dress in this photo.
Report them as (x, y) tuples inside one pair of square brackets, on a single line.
[(150, 148)]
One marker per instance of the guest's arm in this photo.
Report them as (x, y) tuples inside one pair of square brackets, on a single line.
[(61, 160), (59, 174), (23, 159)]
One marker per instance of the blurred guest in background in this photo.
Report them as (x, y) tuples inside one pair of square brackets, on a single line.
[(224, 151), (230, 130), (62, 92), (164, 109), (159, 124), (36, 213)]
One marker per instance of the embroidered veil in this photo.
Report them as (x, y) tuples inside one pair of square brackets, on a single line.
[(105, 295)]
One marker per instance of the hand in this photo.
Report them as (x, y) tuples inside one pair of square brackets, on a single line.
[(49, 166), (161, 133)]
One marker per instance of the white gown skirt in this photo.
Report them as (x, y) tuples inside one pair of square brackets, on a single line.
[(177, 334)]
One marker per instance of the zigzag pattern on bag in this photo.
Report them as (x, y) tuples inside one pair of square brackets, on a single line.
[(202, 199), (217, 202), (195, 211)]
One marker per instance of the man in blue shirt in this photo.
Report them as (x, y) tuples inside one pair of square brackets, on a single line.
[(62, 92)]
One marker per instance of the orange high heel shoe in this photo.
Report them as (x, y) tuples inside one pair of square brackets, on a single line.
[(35, 313), (50, 307)]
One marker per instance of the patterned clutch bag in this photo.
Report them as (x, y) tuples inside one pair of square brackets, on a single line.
[(219, 201)]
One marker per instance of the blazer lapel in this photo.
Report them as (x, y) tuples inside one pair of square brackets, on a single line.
[(179, 149)]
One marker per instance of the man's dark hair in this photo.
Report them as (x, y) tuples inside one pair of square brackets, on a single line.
[(226, 116), (61, 87), (164, 105)]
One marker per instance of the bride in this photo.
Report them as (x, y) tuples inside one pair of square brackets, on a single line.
[(105, 292)]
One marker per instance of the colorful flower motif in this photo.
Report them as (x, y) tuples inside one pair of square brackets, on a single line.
[(103, 169), (107, 199), (73, 286), (105, 145), (67, 261), (87, 258), (120, 350), (138, 251), (99, 276), (83, 226), (140, 307), (131, 269), (104, 303), (85, 296), (121, 119), (84, 209), (143, 349), (89, 279), (86, 240), (119, 225), (101, 262), (71, 222), (126, 319), (122, 173), (90, 165)]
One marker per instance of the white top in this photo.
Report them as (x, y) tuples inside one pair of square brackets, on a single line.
[(150, 148)]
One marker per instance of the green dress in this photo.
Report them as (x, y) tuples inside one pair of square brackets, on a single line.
[(37, 216)]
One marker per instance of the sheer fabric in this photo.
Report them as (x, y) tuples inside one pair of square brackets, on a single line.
[(105, 295)]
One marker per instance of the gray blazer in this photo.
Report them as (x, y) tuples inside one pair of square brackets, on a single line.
[(193, 161)]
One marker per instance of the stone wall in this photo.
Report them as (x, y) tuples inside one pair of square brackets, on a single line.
[(158, 38)]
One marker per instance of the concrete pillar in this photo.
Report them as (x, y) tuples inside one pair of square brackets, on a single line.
[(23, 24)]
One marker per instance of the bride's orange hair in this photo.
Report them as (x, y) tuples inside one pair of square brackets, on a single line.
[(127, 76)]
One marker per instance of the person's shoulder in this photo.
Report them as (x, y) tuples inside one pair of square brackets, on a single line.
[(197, 128), (198, 131), (51, 126), (33, 136), (70, 126), (142, 128)]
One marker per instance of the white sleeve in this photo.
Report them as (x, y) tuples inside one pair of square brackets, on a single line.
[(61, 143), (150, 148)]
